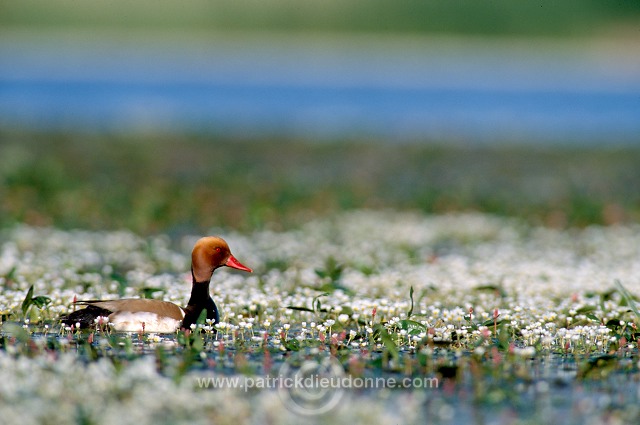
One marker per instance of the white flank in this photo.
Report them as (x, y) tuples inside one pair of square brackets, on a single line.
[(126, 321)]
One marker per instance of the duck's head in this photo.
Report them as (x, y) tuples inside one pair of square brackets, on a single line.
[(208, 254)]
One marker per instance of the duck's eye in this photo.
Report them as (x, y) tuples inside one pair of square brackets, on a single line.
[(217, 249)]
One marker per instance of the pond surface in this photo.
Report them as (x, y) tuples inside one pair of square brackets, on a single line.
[(517, 324), (446, 385)]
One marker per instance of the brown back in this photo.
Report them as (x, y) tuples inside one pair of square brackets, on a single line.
[(161, 308)]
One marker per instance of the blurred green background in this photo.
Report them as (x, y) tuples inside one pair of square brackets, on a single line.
[(189, 184), (469, 17), (190, 181)]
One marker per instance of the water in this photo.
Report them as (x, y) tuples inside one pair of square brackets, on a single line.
[(428, 89)]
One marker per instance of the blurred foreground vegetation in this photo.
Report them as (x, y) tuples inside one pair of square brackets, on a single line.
[(179, 184)]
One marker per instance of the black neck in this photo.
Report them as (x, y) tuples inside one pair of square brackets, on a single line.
[(199, 300), (199, 293)]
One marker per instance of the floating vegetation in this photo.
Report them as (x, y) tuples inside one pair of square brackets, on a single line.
[(458, 318)]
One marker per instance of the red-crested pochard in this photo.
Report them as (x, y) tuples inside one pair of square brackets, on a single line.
[(136, 315)]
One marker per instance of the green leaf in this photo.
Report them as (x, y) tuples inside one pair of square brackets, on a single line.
[(598, 366), (492, 288), (87, 350), (388, 342), (28, 300), (593, 317), (317, 305), (412, 327), (291, 344), (203, 317), (122, 282), (586, 309), (197, 344), (491, 322), (411, 298), (628, 298), (40, 301), (147, 292), (333, 270), (11, 276), (17, 332), (300, 308), (613, 324)]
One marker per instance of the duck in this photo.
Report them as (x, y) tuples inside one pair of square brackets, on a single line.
[(156, 316)]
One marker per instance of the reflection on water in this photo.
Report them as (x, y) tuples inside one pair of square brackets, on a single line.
[(455, 90)]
